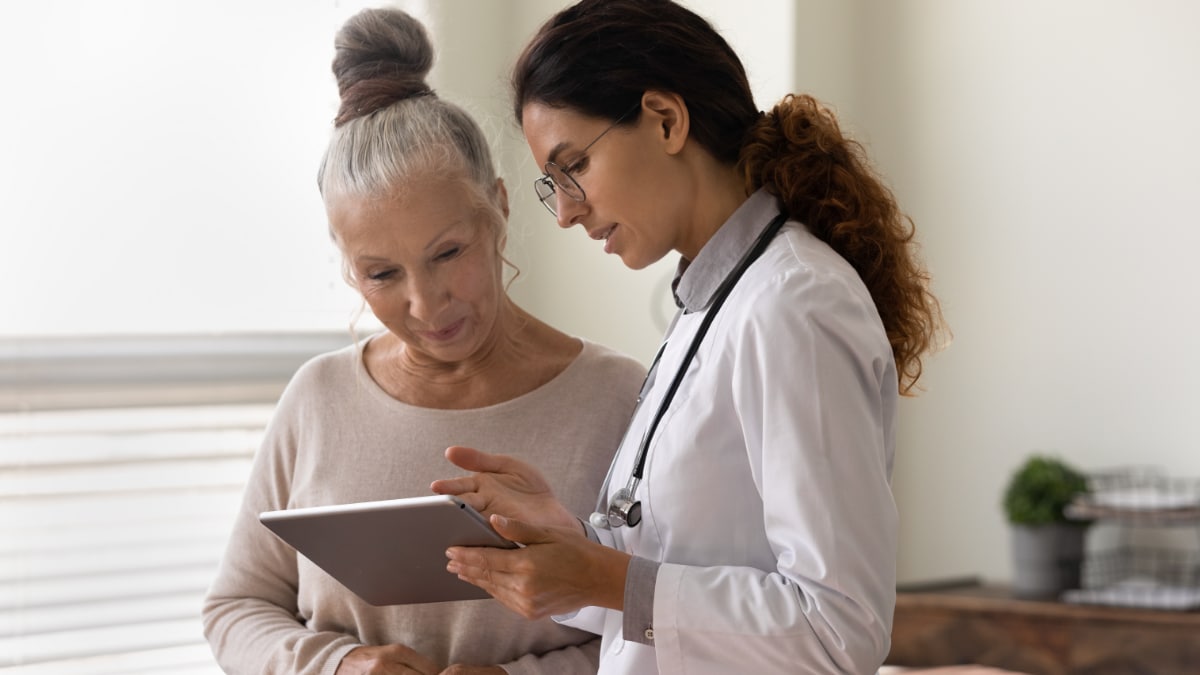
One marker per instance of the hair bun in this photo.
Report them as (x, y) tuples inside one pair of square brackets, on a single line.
[(382, 56)]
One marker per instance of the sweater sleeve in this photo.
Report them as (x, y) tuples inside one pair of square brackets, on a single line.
[(250, 614)]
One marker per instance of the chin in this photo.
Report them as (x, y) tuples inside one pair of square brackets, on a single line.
[(452, 352), (635, 262)]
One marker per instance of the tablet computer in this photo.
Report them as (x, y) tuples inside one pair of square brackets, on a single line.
[(389, 552)]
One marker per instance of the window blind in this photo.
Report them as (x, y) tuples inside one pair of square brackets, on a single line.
[(113, 510)]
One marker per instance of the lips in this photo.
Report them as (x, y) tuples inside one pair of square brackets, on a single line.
[(603, 235), (444, 334)]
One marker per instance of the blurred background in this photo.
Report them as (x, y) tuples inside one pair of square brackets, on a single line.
[(165, 264)]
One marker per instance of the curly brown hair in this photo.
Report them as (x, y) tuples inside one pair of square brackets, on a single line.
[(599, 56), (798, 152)]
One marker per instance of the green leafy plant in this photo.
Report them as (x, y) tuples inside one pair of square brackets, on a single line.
[(1040, 490)]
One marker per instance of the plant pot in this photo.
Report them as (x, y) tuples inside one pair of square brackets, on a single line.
[(1047, 559)]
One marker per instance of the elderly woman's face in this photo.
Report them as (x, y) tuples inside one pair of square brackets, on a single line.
[(427, 263)]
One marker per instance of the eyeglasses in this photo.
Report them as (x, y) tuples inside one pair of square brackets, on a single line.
[(559, 178)]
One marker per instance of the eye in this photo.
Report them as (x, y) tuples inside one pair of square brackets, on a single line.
[(576, 166), (383, 275), (448, 254)]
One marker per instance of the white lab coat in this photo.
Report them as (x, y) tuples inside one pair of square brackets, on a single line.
[(766, 493)]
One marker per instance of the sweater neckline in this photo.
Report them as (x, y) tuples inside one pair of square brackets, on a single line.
[(366, 382)]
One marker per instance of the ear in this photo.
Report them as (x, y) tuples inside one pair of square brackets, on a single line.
[(669, 113), (502, 195)]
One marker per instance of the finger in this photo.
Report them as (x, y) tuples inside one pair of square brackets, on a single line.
[(520, 531), (455, 486), (470, 558), (478, 461), (418, 662), (393, 658), (472, 565)]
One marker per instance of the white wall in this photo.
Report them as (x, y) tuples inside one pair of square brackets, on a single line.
[(1047, 152)]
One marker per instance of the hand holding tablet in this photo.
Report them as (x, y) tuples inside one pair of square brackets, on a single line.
[(390, 552)]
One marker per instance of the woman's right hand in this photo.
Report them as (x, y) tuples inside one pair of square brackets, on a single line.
[(505, 486), (385, 660)]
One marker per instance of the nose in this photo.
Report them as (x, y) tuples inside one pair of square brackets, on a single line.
[(568, 210), (426, 297)]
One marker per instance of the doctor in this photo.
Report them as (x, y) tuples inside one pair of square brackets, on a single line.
[(748, 524)]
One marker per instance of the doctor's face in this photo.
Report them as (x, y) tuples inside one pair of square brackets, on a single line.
[(627, 204), (428, 264)]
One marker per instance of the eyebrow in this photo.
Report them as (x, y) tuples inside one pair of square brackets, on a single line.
[(370, 258), (555, 151), (437, 239), (563, 145)]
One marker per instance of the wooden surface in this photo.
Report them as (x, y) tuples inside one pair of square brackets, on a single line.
[(985, 625)]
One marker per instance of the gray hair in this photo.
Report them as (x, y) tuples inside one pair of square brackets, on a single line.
[(378, 153), (391, 127)]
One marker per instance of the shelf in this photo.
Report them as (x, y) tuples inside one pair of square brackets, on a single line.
[(986, 625), (1084, 510)]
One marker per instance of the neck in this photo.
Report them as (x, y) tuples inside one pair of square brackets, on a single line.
[(508, 338), (482, 379), (719, 192)]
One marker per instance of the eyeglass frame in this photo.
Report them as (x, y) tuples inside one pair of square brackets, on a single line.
[(552, 186)]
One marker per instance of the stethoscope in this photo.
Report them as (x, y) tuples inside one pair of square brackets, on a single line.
[(623, 508)]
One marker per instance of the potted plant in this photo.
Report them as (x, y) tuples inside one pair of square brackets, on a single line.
[(1047, 547)]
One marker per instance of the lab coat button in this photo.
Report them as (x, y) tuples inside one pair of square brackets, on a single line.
[(649, 633)]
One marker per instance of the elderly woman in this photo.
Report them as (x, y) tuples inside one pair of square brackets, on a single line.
[(419, 215)]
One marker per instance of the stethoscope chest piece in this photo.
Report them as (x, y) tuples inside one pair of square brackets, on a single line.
[(623, 509)]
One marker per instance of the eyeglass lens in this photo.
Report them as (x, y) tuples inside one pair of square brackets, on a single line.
[(556, 179)]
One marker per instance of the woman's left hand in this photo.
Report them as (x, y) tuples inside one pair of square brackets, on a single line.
[(557, 571)]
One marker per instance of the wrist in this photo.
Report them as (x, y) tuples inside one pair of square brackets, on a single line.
[(610, 593)]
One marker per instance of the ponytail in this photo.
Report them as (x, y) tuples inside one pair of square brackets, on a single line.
[(798, 152)]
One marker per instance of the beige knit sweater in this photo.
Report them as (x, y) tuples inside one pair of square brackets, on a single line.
[(336, 437)]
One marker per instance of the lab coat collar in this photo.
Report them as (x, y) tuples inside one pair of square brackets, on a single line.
[(696, 282)]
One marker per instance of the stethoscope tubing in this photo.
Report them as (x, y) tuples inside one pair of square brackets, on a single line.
[(614, 516)]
